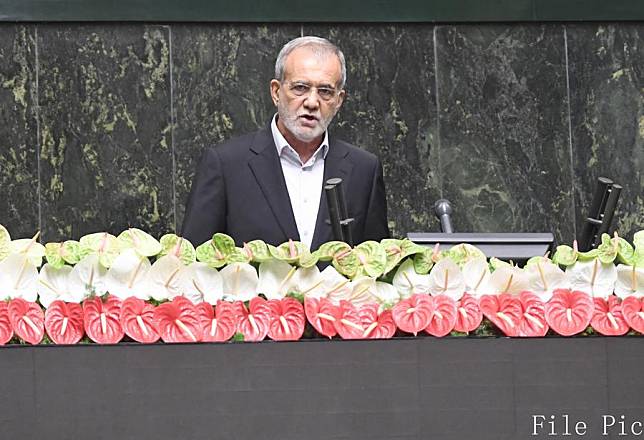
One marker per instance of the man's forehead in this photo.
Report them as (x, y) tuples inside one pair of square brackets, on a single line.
[(306, 61)]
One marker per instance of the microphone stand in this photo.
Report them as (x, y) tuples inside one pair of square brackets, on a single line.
[(338, 215), (602, 210)]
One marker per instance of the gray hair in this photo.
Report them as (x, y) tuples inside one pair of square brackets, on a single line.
[(320, 47)]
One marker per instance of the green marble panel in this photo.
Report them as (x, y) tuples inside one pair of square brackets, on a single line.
[(105, 127), (221, 76), (505, 151), (607, 113), (18, 132), (390, 110)]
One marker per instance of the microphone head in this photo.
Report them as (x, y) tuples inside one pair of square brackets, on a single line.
[(442, 207)]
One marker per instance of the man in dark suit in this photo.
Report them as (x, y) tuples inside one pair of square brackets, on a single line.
[(268, 185)]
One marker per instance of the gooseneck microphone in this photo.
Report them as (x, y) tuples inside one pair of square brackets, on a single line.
[(443, 210)]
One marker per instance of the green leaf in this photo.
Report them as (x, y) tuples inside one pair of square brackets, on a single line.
[(71, 252), (257, 251), (101, 243), (410, 248), (564, 256), (372, 257), (143, 243), (587, 256), (5, 243), (638, 257), (53, 254), (538, 259), (206, 253), (180, 247), (394, 252), (423, 262), (297, 295), (328, 250), (238, 337)]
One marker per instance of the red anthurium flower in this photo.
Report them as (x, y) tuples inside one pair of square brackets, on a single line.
[(569, 312), (255, 320), (321, 314), (64, 322), (137, 320), (27, 320), (414, 313), (468, 314), (444, 317), (287, 319), (504, 310), (633, 311), (347, 321), (178, 321), (607, 317), (376, 326), (6, 331), (217, 324), (102, 320), (533, 320)]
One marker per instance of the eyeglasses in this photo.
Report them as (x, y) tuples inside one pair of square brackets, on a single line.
[(304, 89)]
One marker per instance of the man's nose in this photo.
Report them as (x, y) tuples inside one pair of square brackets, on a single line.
[(312, 101)]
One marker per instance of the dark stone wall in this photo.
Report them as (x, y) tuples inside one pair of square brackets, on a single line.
[(101, 125)]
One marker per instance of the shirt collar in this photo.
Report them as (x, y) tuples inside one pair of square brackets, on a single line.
[(281, 142)]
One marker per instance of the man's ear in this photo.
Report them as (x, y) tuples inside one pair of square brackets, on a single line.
[(275, 91), (341, 95)]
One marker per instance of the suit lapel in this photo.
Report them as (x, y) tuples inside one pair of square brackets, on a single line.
[(336, 164), (267, 169)]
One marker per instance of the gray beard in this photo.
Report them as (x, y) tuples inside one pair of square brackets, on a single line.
[(290, 122)]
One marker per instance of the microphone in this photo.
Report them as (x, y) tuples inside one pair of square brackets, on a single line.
[(443, 209)]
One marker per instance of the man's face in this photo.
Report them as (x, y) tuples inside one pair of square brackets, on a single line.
[(308, 98)]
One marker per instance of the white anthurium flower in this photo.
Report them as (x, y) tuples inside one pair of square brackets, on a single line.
[(275, 278), (88, 277), (363, 291), (508, 279), (335, 286), (408, 282), (592, 277), (386, 294), (476, 273), (128, 275), (53, 283), (308, 281), (164, 278), (18, 277), (544, 277), (630, 281), (29, 247), (200, 282), (240, 282), (446, 278)]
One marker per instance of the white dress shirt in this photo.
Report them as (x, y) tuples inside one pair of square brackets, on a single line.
[(303, 181)]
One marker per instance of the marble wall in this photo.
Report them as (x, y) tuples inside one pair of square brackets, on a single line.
[(101, 125)]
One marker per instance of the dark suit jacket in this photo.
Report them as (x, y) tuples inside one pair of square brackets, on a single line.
[(239, 189)]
